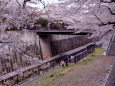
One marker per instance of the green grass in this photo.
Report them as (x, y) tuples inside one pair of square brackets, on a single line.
[(57, 73), (107, 70), (92, 57)]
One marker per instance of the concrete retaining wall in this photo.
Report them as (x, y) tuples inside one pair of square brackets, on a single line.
[(66, 43)]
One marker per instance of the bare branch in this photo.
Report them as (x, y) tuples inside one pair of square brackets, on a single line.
[(7, 3), (107, 1), (42, 3), (110, 10), (18, 2), (101, 22), (44, 8), (25, 1), (98, 18)]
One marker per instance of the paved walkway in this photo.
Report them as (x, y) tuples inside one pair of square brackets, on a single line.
[(111, 79)]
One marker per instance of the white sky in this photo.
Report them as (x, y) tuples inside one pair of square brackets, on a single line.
[(39, 5)]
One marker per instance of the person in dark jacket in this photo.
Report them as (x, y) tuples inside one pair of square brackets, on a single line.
[(66, 60)]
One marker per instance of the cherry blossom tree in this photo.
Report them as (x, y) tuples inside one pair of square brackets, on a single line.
[(15, 15), (96, 16)]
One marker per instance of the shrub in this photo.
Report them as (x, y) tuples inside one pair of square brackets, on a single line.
[(8, 54), (5, 60), (12, 29), (43, 22), (37, 53)]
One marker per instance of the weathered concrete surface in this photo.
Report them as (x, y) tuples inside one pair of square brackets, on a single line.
[(45, 43), (68, 32), (45, 46), (26, 36), (61, 37), (111, 79)]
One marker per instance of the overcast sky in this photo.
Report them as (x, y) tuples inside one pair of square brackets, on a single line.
[(35, 3)]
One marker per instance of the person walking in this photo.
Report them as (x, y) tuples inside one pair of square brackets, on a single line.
[(66, 60), (75, 60), (62, 63), (71, 58)]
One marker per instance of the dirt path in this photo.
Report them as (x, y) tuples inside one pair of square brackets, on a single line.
[(91, 75), (91, 71)]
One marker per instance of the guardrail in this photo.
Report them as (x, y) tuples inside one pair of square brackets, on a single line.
[(111, 40)]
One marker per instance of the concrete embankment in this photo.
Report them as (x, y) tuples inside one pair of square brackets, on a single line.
[(111, 78)]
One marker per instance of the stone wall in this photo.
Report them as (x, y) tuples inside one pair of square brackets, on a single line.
[(21, 51)]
